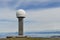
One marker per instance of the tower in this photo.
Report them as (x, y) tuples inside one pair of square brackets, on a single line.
[(20, 15)]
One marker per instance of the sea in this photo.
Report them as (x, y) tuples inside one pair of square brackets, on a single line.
[(32, 34)]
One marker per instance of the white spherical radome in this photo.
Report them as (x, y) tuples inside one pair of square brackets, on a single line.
[(20, 13)]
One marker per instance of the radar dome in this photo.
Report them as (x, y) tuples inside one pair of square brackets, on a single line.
[(20, 13)]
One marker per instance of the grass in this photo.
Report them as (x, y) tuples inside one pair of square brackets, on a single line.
[(30, 38)]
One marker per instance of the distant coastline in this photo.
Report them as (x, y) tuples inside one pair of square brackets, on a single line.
[(32, 34)]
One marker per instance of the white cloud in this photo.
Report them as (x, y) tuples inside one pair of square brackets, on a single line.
[(5, 2), (34, 0), (19, 3), (48, 19), (27, 2), (40, 20), (8, 20), (8, 27), (7, 13)]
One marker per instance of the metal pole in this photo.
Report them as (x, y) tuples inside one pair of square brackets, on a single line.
[(20, 23)]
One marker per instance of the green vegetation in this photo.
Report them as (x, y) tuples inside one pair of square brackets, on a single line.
[(30, 38)]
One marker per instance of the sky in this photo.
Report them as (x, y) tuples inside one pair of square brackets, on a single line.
[(41, 15)]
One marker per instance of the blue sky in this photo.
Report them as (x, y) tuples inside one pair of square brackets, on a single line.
[(42, 15)]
